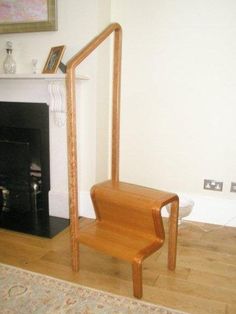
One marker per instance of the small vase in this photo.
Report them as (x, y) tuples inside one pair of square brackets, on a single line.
[(9, 64)]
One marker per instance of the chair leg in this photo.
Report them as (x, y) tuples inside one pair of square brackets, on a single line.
[(75, 255), (173, 233), (137, 279)]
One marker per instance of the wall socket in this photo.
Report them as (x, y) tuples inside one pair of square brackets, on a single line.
[(233, 187), (214, 185)]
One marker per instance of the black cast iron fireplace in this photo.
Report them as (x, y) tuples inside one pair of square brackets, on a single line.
[(25, 169)]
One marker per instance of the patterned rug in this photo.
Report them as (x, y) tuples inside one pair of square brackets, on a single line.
[(24, 292)]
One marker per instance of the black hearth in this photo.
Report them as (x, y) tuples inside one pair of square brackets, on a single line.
[(25, 170)]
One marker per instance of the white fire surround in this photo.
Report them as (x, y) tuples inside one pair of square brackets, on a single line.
[(50, 89)]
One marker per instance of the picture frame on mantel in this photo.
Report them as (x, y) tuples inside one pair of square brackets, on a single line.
[(54, 59), (28, 16)]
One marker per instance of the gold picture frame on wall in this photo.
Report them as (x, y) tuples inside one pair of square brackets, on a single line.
[(27, 16), (54, 59)]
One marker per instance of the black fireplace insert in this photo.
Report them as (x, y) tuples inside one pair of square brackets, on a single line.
[(25, 169)]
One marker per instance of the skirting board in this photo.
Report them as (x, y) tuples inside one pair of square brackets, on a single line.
[(211, 210), (206, 209), (58, 205)]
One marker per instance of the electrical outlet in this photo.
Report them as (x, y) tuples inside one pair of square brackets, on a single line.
[(233, 187), (214, 185)]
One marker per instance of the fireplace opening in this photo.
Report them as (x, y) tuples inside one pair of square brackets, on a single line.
[(21, 182), (25, 169)]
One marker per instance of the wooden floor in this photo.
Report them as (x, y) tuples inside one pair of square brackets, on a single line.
[(204, 281)]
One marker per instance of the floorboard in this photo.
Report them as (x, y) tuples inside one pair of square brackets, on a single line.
[(204, 281)]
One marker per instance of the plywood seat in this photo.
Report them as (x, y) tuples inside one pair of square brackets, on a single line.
[(115, 240), (128, 225)]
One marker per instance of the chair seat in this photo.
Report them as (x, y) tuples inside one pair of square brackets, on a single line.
[(118, 242), (129, 224)]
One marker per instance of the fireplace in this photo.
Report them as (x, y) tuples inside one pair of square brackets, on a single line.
[(25, 169)]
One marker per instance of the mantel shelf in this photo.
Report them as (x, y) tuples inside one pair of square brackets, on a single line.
[(53, 86), (39, 76)]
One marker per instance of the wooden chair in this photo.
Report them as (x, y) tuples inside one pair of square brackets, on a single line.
[(128, 222)]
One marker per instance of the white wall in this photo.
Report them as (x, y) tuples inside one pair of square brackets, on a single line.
[(179, 100), (78, 23), (178, 93)]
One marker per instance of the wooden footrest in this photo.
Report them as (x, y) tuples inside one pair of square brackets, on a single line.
[(129, 224), (116, 241)]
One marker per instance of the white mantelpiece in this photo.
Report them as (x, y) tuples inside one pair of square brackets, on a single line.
[(39, 76), (56, 90), (50, 89), (17, 87)]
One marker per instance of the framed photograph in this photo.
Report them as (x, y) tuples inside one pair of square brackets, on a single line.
[(54, 59), (27, 16)]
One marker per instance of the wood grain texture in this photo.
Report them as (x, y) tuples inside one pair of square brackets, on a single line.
[(71, 127), (129, 222), (115, 154), (204, 280)]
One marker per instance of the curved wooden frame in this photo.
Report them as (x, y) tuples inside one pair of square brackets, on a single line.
[(71, 123), (119, 207)]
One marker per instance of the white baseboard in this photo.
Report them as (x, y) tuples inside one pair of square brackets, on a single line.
[(211, 210), (206, 209), (86, 205), (58, 205), (214, 210)]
